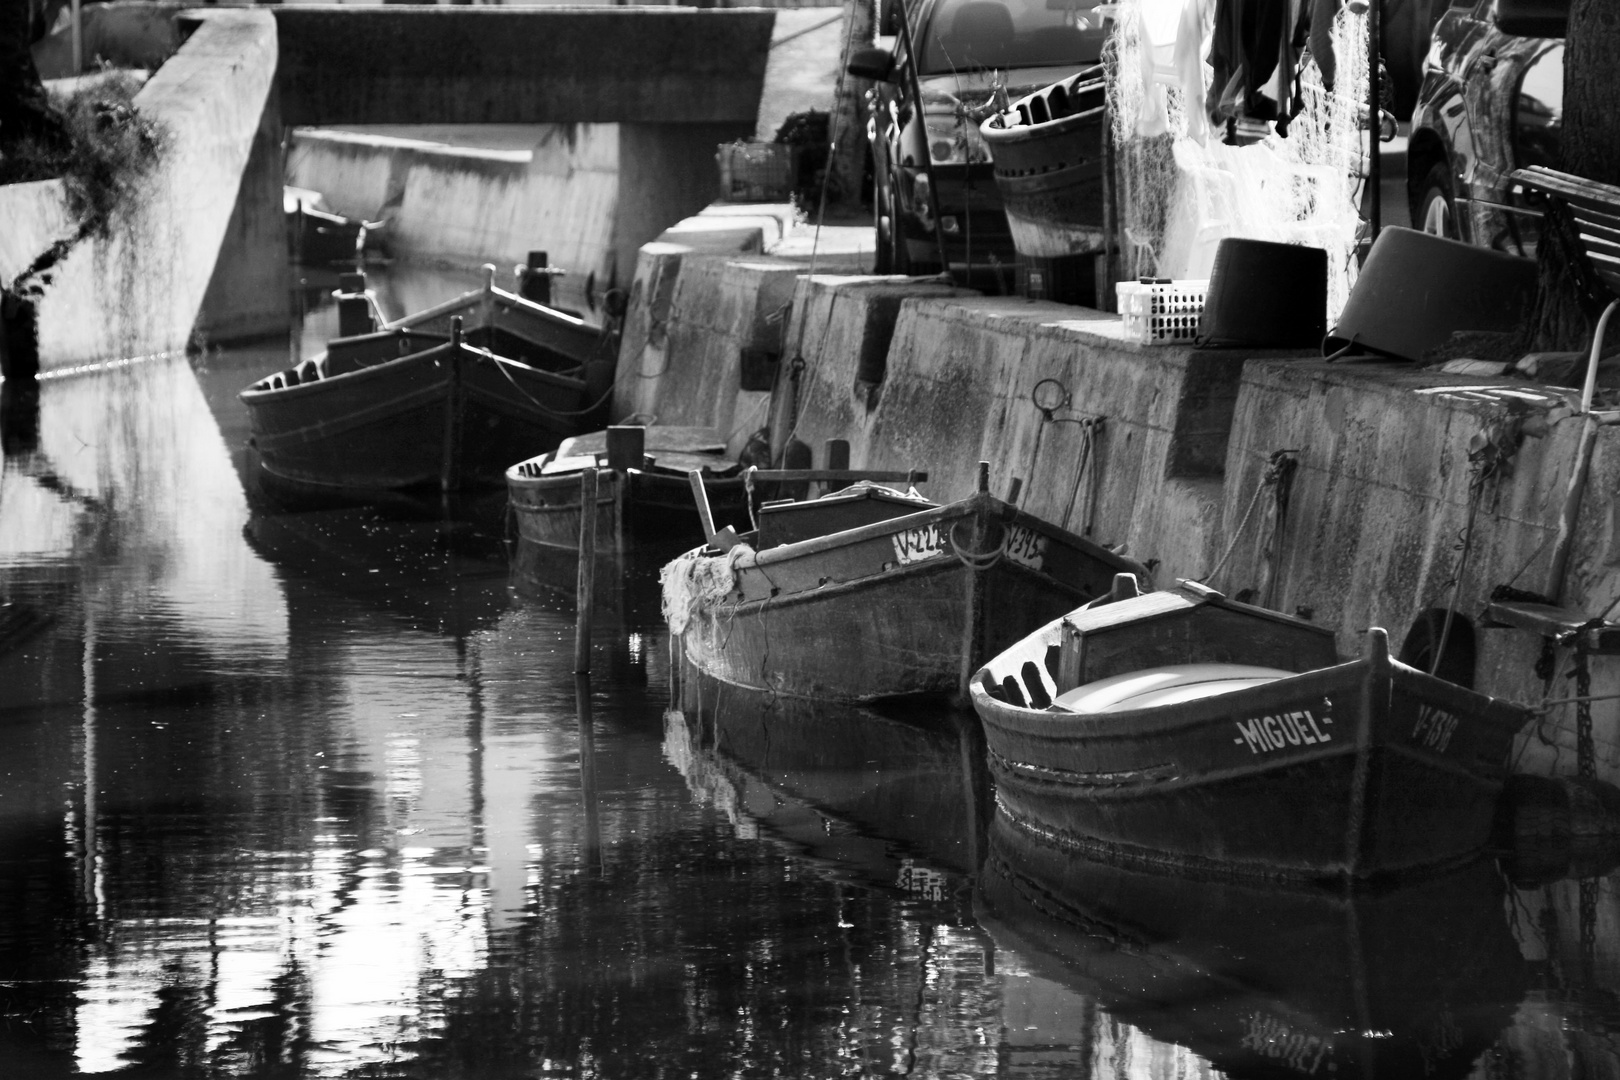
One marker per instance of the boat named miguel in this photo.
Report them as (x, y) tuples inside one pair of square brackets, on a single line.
[(1182, 729)]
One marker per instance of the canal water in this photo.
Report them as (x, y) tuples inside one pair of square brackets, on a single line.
[(312, 791)]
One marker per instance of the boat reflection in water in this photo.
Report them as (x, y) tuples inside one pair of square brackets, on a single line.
[(907, 791), (1417, 981)]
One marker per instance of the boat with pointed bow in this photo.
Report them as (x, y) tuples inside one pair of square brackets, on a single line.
[(448, 397), (1182, 729), (872, 593)]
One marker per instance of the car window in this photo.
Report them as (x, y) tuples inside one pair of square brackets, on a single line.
[(962, 35), (1538, 110)]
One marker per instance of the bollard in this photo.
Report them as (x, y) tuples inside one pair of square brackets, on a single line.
[(536, 284), (587, 571), (626, 447), (354, 316)]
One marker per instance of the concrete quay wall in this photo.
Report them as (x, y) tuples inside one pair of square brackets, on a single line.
[(590, 195), (916, 374)]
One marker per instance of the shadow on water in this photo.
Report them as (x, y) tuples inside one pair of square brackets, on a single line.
[(308, 790)]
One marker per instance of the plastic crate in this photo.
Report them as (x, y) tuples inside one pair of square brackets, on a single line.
[(1162, 312), (758, 171)]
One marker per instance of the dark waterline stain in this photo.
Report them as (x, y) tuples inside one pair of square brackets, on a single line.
[(305, 792)]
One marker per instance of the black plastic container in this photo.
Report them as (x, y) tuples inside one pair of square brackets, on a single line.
[(1265, 295)]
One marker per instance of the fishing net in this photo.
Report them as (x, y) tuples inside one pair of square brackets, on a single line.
[(694, 581), (1181, 189)]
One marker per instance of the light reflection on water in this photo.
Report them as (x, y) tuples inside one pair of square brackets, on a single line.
[(298, 792)]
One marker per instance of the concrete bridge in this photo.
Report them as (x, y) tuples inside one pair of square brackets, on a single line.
[(210, 235)]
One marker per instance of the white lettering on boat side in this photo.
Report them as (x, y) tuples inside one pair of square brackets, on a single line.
[(1026, 547), (1434, 728), (1264, 734), (915, 545), (1272, 1037)]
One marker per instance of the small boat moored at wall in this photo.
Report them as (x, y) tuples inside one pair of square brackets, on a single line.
[(872, 593), (446, 397), (643, 497), (318, 237), (1182, 729)]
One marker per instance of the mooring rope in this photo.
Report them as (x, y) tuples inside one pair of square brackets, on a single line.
[(1281, 461), (1476, 491), (980, 560)]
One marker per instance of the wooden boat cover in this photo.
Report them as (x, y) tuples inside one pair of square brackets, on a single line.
[(1170, 684), (685, 440)]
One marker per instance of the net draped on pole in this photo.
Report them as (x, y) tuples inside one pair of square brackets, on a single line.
[(1181, 190)]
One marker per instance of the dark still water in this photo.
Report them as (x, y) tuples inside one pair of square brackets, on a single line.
[(299, 792)]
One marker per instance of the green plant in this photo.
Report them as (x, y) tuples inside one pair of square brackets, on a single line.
[(109, 149)]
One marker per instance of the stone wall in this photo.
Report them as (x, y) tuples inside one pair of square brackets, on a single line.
[(503, 65), (916, 374), (590, 195)]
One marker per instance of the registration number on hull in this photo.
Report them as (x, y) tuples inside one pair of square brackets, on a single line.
[(1024, 546)]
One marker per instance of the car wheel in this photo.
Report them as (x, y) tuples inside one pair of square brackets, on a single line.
[(882, 231), (1435, 212), (899, 254)]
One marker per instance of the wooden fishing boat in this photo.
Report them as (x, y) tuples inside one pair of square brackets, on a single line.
[(1046, 152), (872, 593), (1179, 728), (648, 504), (1262, 981), (446, 397), (318, 237)]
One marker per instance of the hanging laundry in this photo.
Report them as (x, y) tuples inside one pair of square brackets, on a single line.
[(1255, 61)]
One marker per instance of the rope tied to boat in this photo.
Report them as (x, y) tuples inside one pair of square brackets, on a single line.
[(1279, 467)]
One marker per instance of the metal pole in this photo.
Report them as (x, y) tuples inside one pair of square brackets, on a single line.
[(587, 571), (1375, 170), (78, 40)]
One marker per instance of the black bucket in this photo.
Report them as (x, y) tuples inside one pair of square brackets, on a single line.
[(1416, 290), (1265, 295)]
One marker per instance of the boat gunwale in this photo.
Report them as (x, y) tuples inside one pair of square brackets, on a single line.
[(1054, 721), (980, 502), (256, 392), (730, 609), (571, 479)]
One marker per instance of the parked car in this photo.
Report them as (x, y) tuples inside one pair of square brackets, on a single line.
[(1491, 102), (974, 56)]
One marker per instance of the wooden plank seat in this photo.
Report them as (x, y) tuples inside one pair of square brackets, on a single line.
[(1595, 207)]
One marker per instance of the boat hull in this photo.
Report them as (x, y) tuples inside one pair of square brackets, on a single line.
[(634, 508), (1361, 770), (890, 609), (451, 417)]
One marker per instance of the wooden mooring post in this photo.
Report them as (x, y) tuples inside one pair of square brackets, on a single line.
[(587, 571), (587, 772)]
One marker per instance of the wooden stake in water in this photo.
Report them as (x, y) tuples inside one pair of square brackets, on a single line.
[(587, 571), (587, 773)]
